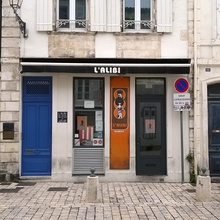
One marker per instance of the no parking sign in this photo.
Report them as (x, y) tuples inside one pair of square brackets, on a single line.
[(181, 85), (181, 102)]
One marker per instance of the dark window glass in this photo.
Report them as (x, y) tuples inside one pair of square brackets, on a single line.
[(130, 14), (150, 86)]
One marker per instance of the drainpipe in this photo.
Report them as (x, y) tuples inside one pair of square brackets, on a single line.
[(196, 92)]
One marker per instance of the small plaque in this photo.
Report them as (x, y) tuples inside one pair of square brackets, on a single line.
[(62, 117)]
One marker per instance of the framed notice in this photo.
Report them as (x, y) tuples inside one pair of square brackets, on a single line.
[(98, 115), (89, 104)]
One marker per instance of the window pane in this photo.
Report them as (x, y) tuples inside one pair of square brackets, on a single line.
[(88, 128), (64, 9), (80, 11), (89, 89), (64, 12), (129, 14), (145, 13)]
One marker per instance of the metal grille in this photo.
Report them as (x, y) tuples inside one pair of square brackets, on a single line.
[(38, 87), (87, 158)]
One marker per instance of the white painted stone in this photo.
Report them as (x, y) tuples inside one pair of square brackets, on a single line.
[(92, 189), (10, 106), (9, 116), (203, 189), (105, 45)]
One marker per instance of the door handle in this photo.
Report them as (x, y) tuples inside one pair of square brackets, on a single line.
[(215, 131), (29, 151)]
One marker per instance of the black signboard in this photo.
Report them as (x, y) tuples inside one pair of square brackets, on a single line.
[(62, 117)]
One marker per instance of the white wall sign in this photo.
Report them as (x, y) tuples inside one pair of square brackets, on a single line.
[(181, 102), (89, 104)]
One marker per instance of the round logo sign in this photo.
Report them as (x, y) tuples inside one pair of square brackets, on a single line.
[(181, 85)]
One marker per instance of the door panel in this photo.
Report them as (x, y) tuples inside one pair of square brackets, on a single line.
[(150, 137), (36, 126), (214, 138)]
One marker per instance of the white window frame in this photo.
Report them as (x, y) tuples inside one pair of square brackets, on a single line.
[(72, 18), (137, 19)]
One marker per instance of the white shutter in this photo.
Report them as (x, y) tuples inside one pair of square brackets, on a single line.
[(218, 18), (113, 15), (164, 16), (44, 15), (98, 15)]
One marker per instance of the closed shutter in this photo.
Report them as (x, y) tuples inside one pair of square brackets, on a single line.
[(164, 16), (98, 15), (218, 18), (105, 15), (44, 15), (87, 158), (113, 15)]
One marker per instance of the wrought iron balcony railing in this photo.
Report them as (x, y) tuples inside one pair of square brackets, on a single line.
[(71, 24), (138, 25)]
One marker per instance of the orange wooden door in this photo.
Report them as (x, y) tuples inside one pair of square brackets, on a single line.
[(120, 123)]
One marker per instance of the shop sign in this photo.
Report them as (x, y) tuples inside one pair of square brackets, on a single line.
[(116, 70)]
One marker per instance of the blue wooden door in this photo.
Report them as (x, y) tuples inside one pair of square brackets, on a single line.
[(36, 126)]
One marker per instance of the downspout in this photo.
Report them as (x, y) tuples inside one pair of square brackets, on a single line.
[(196, 96)]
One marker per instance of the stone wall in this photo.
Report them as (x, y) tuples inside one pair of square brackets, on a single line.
[(10, 94), (76, 45), (82, 45), (138, 45)]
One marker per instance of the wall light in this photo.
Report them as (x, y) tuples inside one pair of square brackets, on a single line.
[(16, 4)]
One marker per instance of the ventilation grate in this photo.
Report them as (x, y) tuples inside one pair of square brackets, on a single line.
[(38, 87), (11, 190), (5, 184), (58, 189), (26, 184)]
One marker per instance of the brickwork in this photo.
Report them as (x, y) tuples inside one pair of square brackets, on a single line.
[(10, 86), (126, 201)]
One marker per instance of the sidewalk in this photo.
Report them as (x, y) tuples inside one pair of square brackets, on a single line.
[(137, 200)]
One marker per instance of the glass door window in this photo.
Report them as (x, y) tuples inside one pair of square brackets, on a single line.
[(88, 115)]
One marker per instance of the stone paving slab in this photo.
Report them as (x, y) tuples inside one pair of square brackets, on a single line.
[(127, 201)]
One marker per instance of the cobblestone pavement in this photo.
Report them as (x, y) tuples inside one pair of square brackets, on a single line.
[(137, 200)]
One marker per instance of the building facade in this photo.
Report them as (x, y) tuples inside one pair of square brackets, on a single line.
[(206, 71), (93, 86)]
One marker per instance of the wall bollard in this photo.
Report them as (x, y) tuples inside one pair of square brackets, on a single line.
[(203, 188), (92, 187)]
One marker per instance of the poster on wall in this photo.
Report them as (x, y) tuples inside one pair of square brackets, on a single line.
[(81, 122), (119, 111)]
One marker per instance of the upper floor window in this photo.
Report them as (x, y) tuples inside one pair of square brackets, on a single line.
[(72, 14), (106, 15), (137, 15)]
